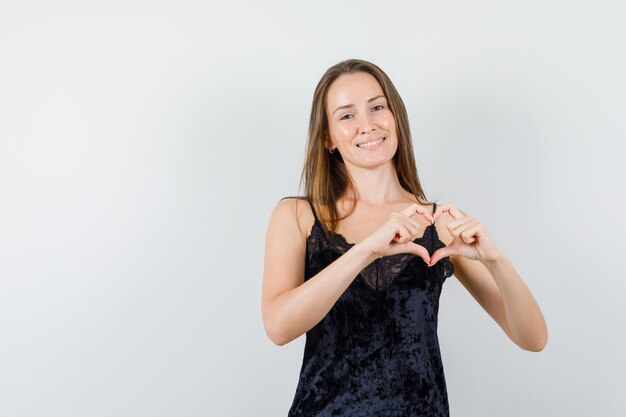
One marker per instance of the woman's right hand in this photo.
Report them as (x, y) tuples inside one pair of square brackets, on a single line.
[(397, 234)]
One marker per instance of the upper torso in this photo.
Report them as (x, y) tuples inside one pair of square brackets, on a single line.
[(376, 352), (363, 221)]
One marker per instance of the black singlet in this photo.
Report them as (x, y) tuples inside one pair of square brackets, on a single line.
[(376, 352)]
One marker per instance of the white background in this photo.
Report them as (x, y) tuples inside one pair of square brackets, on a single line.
[(143, 146)]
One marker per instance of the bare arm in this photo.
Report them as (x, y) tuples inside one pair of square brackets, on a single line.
[(290, 306), (500, 290)]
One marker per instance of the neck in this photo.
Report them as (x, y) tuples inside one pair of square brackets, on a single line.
[(377, 186)]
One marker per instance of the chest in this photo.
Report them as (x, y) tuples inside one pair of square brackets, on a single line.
[(361, 221), (357, 228)]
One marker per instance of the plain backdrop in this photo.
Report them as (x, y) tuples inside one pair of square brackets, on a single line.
[(143, 146)]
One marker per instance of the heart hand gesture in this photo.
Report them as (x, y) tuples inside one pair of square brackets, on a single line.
[(398, 233), (471, 238)]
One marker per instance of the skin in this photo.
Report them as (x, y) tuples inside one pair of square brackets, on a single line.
[(385, 221)]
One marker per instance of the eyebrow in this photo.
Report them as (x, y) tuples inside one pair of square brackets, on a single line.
[(352, 105)]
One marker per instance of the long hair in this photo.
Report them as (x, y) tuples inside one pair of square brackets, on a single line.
[(324, 175)]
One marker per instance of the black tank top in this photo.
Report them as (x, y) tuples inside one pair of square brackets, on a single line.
[(376, 352)]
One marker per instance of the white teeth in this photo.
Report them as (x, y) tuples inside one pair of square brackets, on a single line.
[(370, 144)]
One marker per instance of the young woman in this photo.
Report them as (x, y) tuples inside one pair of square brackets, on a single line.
[(358, 263)]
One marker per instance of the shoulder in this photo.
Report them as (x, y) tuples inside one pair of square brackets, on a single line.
[(294, 211)]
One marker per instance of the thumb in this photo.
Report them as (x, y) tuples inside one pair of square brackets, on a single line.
[(419, 250), (440, 254)]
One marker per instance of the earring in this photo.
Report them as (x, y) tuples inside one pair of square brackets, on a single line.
[(331, 150)]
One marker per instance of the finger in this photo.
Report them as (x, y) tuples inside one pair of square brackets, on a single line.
[(470, 233), (413, 226), (412, 232), (441, 253), (416, 208), (461, 224), (402, 233), (449, 208), (455, 224), (462, 229)]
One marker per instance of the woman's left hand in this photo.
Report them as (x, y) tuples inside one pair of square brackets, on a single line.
[(471, 238)]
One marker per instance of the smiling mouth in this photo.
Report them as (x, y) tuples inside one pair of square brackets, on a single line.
[(371, 144)]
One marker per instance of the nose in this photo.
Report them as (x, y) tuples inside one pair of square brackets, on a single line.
[(367, 125)]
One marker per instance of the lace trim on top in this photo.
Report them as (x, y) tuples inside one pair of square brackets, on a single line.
[(381, 273)]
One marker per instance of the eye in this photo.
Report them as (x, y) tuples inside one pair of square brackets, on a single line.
[(378, 107), (346, 116)]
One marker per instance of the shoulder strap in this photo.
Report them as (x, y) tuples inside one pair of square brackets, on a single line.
[(304, 198), (312, 208)]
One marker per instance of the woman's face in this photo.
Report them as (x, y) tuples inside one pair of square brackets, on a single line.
[(358, 113)]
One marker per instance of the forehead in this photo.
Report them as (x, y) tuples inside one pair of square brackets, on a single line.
[(352, 89)]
